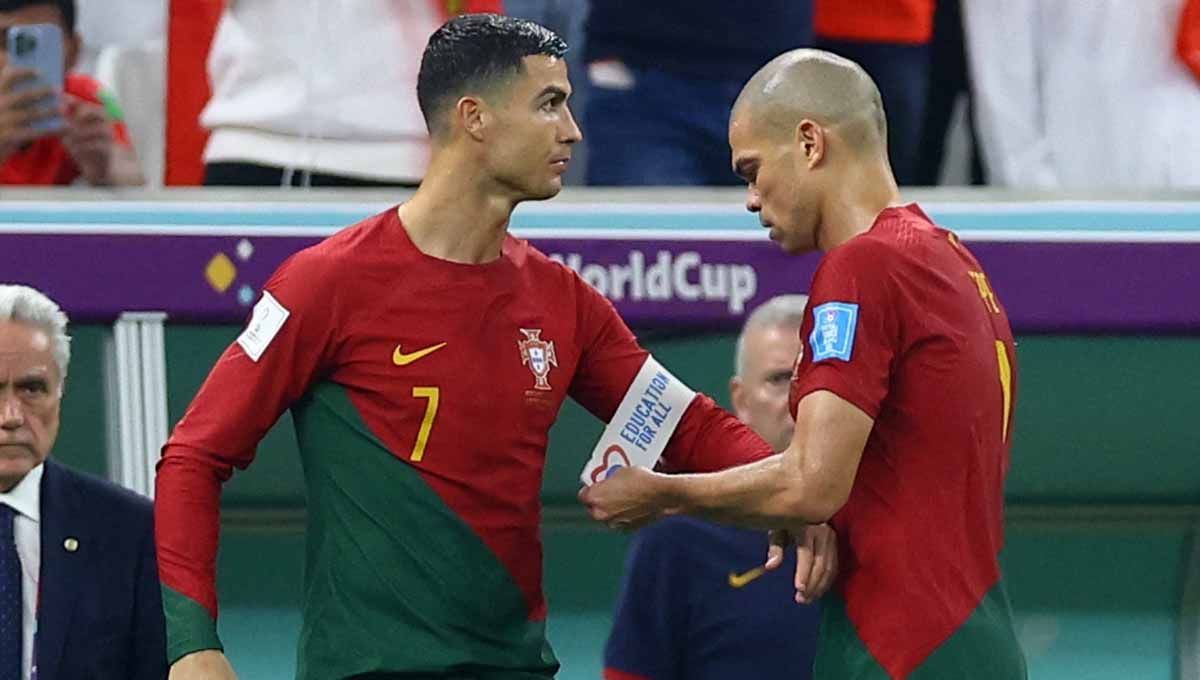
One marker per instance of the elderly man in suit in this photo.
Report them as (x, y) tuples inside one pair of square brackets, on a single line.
[(79, 593)]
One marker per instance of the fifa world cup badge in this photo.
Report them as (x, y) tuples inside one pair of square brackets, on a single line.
[(538, 355)]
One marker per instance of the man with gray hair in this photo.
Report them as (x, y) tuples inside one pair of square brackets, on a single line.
[(766, 353), (695, 602), (77, 562)]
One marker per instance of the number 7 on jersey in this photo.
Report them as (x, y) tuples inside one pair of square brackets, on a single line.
[(432, 395)]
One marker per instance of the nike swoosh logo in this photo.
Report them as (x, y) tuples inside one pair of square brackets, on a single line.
[(401, 359), (739, 580)]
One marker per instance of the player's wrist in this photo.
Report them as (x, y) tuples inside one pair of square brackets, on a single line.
[(672, 492), (190, 627)]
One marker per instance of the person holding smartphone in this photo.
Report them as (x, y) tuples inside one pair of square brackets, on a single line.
[(51, 135)]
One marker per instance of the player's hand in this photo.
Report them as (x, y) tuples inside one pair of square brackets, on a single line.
[(816, 558), (90, 139), (20, 109), (209, 664), (628, 500)]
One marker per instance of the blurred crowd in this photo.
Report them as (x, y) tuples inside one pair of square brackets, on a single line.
[(1034, 94)]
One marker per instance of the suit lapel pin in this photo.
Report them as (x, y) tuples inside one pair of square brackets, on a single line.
[(71, 545)]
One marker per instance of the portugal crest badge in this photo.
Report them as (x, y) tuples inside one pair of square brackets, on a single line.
[(538, 354)]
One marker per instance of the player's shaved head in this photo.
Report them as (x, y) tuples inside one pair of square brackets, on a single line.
[(830, 90)]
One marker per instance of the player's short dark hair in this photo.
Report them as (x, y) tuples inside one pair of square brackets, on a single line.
[(474, 52), (67, 7)]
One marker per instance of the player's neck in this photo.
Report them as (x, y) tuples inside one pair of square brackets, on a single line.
[(860, 195), (451, 217)]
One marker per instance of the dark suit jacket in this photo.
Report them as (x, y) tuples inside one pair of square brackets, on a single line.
[(100, 613)]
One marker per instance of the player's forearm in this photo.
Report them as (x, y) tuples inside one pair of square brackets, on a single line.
[(765, 494), (709, 439), (187, 530)]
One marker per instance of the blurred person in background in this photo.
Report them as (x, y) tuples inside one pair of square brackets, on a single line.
[(663, 76), (79, 591), (1075, 94), (104, 23), (314, 93), (93, 145), (949, 84), (695, 603), (890, 39)]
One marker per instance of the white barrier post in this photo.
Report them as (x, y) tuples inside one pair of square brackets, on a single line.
[(137, 379)]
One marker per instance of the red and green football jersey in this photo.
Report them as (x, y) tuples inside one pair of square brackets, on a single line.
[(423, 392), (903, 324)]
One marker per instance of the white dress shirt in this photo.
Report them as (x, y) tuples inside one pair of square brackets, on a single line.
[(26, 499)]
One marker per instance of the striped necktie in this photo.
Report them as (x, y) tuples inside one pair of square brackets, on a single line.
[(10, 598)]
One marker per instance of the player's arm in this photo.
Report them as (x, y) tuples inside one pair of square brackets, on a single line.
[(842, 380), (648, 636), (706, 437), (808, 482), (269, 366)]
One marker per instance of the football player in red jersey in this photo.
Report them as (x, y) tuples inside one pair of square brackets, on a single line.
[(903, 396)]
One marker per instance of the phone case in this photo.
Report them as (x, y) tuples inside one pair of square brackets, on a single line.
[(40, 47)]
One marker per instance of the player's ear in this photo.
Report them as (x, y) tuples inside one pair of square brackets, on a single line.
[(810, 138), (472, 115), (71, 45)]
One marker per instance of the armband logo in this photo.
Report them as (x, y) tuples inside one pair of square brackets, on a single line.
[(614, 459)]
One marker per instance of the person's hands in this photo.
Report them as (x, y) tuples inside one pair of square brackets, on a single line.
[(816, 558), (209, 664), (630, 499), (20, 109), (90, 140)]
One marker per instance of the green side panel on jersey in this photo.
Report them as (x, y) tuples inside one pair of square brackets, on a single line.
[(841, 654), (189, 627), (985, 647), (394, 579)]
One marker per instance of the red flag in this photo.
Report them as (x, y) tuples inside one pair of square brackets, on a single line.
[(1187, 45), (190, 31)]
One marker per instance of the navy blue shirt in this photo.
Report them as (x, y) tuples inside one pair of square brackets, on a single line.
[(706, 38), (690, 608)]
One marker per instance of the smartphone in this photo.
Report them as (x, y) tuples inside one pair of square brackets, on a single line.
[(40, 47)]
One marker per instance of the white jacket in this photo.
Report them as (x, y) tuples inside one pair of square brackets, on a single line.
[(323, 85), (1083, 93)]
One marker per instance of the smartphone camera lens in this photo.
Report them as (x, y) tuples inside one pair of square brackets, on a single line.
[(25, 44)]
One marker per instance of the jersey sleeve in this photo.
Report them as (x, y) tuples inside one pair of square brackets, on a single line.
[(707, 437), (852, 332), (648, 634), (268, 367)]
